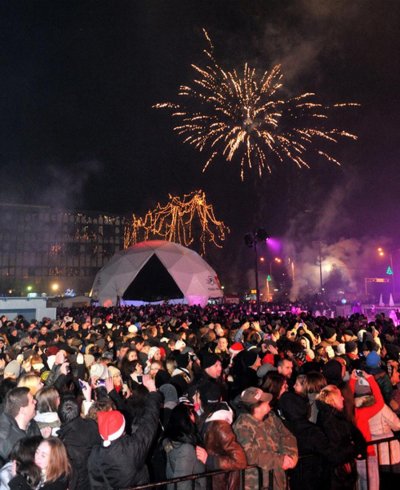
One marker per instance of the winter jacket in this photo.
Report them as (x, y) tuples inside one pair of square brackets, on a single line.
[(381, 425), (315, 450), (385, 385), (182, 461), (224, 452), (346, 441), (123, 463), (256, 438), (20, 483), (364, 414), (6, 474), (48, 419), (10, 433), (79, 437)]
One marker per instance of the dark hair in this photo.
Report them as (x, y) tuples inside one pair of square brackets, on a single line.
[(5, 386), (273, 383), (47, 399), (180, 427), (23, 452), (103, 405), (315, 382), (15, 400), (68, 410), (128, 367), (282, 360), (24, 449)]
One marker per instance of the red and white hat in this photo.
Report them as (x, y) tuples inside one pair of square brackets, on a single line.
[(236, 348), (111, 426)]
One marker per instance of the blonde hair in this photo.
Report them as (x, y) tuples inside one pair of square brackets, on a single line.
[(328, 394), (31, 381)]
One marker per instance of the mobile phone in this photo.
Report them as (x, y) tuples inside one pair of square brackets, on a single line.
[(100, 382), (82, 384), (359, 372)]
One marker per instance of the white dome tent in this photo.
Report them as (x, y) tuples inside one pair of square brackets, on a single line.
[(154, 271)]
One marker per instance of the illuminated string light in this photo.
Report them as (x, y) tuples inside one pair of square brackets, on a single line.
[(241, 116), (181, 220)]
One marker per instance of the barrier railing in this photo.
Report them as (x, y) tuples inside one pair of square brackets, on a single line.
[(385, 463), (208, 476), (372, 469)]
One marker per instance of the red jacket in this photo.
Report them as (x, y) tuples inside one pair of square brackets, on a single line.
[(363, 414)]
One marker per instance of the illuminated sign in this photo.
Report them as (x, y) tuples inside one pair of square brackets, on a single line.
[(377, 279)]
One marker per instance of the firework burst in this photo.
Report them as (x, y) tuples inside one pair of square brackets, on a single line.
[(241, 116)]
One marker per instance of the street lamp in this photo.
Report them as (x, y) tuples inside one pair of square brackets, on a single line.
[(275, 260), (251, 240)]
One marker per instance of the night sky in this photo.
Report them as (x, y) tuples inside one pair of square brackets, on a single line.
[(77, 128)]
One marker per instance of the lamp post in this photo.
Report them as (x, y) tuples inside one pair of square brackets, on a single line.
[(275, 260), (251, 240), (320, 267)]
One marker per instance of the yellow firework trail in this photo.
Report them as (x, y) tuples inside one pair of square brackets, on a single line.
[(182, 220), (242, 116)]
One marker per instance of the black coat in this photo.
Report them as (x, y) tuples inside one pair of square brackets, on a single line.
[(316, 455), (79, 436), (123, 463), (10, 433), (347, 443)]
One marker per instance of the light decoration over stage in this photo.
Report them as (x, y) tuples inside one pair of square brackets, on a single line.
[(242, 116), (182, 220)]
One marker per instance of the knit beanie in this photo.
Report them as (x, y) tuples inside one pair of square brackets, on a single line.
[(98, 371), (180, 345), (208, 359), (249, 357), (12, 370), (182, 360), (111, 426), (170, 395), (373, 360), (152, 352)]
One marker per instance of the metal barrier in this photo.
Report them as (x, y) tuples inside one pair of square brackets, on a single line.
[(381, 455), (379, 466), (208, 476)]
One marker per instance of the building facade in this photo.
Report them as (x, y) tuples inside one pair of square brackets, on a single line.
[(45, 250)]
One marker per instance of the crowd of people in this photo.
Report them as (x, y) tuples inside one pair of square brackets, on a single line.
[(111, 398)]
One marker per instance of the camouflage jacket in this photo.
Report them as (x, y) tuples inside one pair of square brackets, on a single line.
[(265, 444)]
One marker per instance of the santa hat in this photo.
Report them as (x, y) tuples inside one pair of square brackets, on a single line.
[(111, 426), (236, 348)]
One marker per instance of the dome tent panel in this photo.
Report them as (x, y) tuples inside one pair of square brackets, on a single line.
[(152, 283), (181, 263)]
